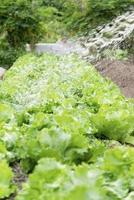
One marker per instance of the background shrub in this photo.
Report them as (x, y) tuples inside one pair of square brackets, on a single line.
[(31, 21)]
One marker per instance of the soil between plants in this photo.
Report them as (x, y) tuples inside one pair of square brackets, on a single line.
[(120, 72)]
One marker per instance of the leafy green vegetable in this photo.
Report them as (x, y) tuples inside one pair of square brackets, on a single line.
[(6, 176), (115, 122), (60, 113), (109, 178), (52, 180)]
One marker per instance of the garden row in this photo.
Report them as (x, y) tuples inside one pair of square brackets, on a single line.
[(67, 127)]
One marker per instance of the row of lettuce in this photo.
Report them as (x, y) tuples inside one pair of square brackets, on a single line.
[(67, 126)]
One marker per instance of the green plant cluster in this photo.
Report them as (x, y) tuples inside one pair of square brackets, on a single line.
[(110, 179), (83, 15), (67, 126), (8, 54), (52, 26), (31, 21), (117, 54), (19, 24), (6, 174), (20, 21)]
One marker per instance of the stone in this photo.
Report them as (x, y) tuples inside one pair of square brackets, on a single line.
[(99, 29), (2, 72), (130, 21), (108, 34), (123, 19), (85, 53), (99, 42), (122, 27), (93, 49), (120, 35), (111, 36)]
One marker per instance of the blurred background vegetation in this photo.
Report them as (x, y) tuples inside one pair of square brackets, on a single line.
[(31, 21)]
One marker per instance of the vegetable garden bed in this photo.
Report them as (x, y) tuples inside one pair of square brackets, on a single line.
[(67, 127)]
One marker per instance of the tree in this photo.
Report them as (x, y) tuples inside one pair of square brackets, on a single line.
[(20, 21)]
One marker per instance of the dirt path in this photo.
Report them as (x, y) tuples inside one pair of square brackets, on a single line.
[(120, 72), (60, 47)]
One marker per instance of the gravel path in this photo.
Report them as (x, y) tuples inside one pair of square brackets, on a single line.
[(60, 48)]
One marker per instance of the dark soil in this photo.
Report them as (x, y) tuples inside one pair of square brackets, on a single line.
[(19, 178), (120, 72)]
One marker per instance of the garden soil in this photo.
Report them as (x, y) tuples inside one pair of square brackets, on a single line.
[(121, 73)]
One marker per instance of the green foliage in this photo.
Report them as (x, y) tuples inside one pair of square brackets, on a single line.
[(8, 54), (6, 176), (57, 114), (121, 54), (117, 54), (57, 181), (3, 151), (84, 15), (51, 24), (114, 122), (49, 21), (110, 179), (61, 114), (19, 24), (19, 18), (54, 3)]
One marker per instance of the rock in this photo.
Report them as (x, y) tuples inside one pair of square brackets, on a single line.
[(85, 53), (131, 21), (92, 40), (120, 35), (116, 34), (91, 45), (93, 49), (2, 72), (108, 34), (123, 19), (99, 29), (99, 42), (122, 27)]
